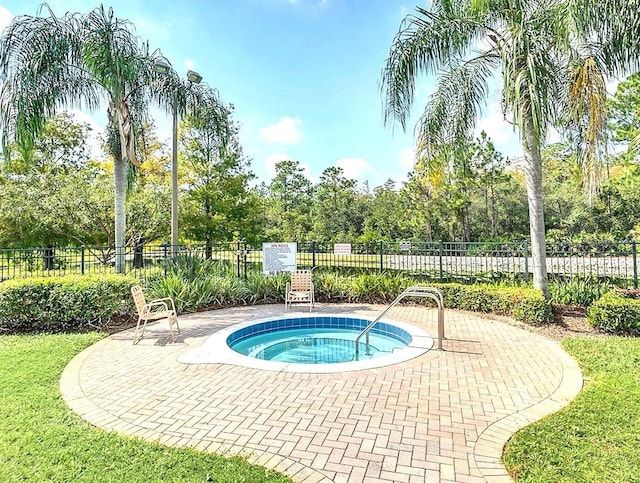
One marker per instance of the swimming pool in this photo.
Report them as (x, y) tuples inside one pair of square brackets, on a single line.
[(316, 340), (315, 344)]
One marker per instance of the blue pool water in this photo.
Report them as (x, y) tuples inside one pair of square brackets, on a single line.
[(316, 340)]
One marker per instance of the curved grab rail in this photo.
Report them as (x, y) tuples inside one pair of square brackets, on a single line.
[(413, 291)]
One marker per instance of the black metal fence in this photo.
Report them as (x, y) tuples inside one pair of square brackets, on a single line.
[(436, 261)]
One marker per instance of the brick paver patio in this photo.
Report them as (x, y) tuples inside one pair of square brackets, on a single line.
[(442, 417)]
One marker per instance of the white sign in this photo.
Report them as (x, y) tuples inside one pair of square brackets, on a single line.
[(405, 246), (279, 257), (342, 248)]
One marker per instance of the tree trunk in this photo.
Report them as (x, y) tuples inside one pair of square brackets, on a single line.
[(120, 181), (494, 217), (533, 178)]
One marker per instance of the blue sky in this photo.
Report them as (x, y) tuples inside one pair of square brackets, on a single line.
[(302, 74)]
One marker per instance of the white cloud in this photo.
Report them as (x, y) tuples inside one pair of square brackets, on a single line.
[(307, 173), (285, 131), (499, 130), (408, 159), (356, 168), (189, 64), (272, 160), (5, 17)]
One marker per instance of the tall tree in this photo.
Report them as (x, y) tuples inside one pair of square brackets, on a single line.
[(61, 145), (624, 114), (220, 204), (551, 56), (497, 193), (289, 203), (95, 60), (383, 218), (336, 212)]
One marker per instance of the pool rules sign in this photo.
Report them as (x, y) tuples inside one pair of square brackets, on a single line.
[(279, 257)]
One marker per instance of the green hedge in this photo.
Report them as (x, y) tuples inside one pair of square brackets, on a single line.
[(614, 312), (524, 304), (63, 303), (76, 302)]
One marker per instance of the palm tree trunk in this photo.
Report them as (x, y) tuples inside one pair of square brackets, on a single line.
[(533, 178), (120, 181)]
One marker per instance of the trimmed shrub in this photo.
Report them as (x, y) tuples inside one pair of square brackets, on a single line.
[(617, 312), (524, 304), (64, 303)]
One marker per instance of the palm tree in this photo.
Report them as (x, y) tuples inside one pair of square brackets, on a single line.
[(548, 56), (86, 61)]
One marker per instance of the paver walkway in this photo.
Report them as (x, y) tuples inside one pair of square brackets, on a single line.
[(442, 417)]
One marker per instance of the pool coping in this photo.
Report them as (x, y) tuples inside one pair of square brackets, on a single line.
[(215, 350)]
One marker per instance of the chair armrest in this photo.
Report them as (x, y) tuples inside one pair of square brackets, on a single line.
[(164, 300), (156, 303)]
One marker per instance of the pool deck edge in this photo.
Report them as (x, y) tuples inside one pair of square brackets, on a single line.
[(317, 432)]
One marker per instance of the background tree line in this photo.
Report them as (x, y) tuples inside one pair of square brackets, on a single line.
[(55, 194)]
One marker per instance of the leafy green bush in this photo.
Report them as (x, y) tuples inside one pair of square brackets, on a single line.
[(616, 312), (196, 285), (202, 292), (266, 289), (521, 303), (578, 291), (63, 303), (376, 288), (190, 267), (330, 286)]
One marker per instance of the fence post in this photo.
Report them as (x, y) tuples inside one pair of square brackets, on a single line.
[(244, 254), (82, 259), (634, 250), (526, 261), (165, 246), (440, 249), (313, 255), (381, 256), (238, 271)]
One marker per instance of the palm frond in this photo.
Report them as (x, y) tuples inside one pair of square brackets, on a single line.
[(425, 43), (588, 104), (455, 106), (40, 72), (535, 73), (612, 29)]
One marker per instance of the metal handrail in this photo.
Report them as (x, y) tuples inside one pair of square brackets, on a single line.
[(413, 291)]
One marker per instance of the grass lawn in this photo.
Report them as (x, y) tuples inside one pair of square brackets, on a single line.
[(596, 437), (42, 440)]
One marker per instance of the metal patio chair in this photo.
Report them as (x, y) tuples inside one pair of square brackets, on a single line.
[(158, 309)]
